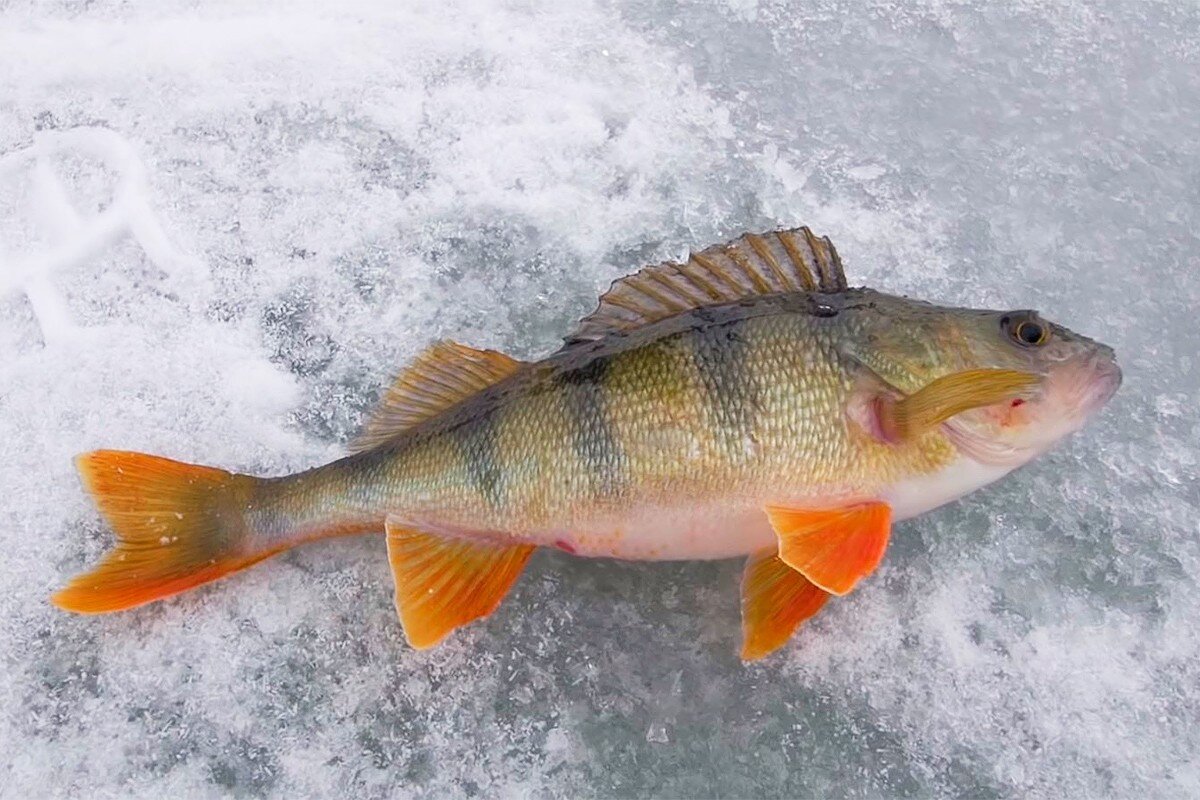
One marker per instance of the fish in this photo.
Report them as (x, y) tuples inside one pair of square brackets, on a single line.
[(743, 403)]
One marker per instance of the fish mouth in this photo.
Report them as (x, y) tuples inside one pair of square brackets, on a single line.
[(1078, 388), (1106, 379), (1070, 395)]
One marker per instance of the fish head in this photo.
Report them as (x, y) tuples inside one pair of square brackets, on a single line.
[(1074, 376)]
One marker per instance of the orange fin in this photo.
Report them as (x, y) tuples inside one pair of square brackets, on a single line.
[(445, 581), (177, 525), (834, 548), (775, 600)]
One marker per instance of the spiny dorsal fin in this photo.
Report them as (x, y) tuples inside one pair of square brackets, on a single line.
[(442, 376), (756, 264)]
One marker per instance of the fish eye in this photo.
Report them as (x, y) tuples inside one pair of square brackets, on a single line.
[(1031, 333), (1025, 329)]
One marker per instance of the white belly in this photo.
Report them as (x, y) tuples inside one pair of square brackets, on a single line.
[(688, 531), (915, 496), (709, 530)]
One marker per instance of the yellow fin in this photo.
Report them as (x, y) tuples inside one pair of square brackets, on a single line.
[(775, 600), (445, 581), (755, 264), (442, 376), (834, 548), (950, 395)]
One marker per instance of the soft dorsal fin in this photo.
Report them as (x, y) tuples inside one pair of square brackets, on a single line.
[(442, 376), (756, 264)]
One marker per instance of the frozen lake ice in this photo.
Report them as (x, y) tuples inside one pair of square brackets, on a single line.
[(223, 226)]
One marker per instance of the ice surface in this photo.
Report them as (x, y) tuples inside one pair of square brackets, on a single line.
[(300, 196)]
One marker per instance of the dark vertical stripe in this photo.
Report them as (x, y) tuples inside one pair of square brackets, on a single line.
[(595, 447), (720, 354), (476, 442)]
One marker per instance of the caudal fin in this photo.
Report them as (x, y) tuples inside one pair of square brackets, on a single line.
[(177, 525)]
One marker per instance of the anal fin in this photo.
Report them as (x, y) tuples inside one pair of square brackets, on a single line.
[(444, 581), (834, 548), (775, 600)]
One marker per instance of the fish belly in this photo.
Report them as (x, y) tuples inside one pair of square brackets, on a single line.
[(685, 531), (916, 495), (711, 530)]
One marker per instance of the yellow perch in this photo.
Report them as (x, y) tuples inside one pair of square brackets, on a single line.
[(745, 403)]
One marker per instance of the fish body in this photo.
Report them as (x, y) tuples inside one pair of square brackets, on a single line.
[(747, 403), (665, 444)]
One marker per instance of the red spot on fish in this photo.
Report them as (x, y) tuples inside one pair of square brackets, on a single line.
[(1018, 403), (565, 546)]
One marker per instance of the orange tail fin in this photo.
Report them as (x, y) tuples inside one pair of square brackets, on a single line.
[(177, 525)]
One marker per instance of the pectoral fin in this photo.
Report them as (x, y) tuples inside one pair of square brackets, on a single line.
[(775, 600), (444, 581), (834, 548), (940, 400)]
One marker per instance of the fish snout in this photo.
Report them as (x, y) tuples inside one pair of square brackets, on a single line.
[(1108, 376), (1095, 380)]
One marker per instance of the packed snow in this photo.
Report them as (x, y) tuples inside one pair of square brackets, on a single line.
[(223, 226)]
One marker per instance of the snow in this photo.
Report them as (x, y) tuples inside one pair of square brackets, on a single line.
[(222, 227)]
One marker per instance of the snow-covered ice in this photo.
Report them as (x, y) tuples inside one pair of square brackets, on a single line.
[(224, 225)]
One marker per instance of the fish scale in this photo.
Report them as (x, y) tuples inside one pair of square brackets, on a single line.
[(740, 411)]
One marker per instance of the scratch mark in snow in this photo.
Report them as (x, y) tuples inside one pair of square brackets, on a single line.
[(76, 240)]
